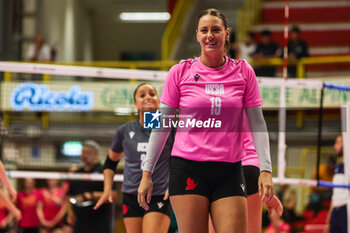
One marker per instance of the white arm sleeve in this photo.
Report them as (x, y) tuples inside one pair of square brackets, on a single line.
[(157, 140), (260, 135)]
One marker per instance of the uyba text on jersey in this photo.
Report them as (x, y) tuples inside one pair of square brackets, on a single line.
[(216, 89)]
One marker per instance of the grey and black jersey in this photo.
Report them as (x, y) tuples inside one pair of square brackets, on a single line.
[(132, 139)]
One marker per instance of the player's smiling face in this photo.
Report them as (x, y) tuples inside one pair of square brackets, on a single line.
[(146, 98), (211, 34)]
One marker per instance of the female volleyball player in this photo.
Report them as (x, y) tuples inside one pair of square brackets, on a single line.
[(51, 208), (27, 202), (206, 172), (132, 139)]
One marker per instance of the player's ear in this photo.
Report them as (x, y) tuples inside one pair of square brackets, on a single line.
[(227, 37), (197, 36)]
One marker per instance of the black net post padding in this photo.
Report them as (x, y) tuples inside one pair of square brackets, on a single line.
[(319, 137)]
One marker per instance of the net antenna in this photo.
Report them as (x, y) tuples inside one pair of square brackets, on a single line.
[(346, 150)]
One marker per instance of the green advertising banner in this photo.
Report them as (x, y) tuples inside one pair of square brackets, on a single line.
[(107, 96)]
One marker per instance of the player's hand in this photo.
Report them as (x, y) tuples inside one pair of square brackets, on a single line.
[(46, 224), (145, 187), (276, 205), (326, 229), (12, 193), (50, 224), (71, 219), (166, 195), (17, 213), (106, 196), (266, 189), (79, 198)]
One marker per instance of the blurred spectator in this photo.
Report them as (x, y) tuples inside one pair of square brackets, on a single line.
[(337, 217), (84, 195), (247, 49), (27, 202), (5, 216), (67, 227), (73, 167), (320, 194), (264, 50), (39, 51), (289, 202), (233, 46), (277, 225), (297, 48), (51, 208)]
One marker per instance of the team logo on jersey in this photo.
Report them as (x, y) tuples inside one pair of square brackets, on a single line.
[(190, 184), (151, 120), (125, 209), (160, 205), (243, 187), (196, 77), (131, 134)]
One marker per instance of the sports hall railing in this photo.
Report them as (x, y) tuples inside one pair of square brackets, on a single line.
[(173, 29), (248, 15)]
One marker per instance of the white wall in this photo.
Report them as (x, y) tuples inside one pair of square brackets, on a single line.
[(81, 33), (66, 26), (112, 38)]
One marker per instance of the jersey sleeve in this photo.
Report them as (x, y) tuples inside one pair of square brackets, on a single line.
[(171, 91), (39, 195), (252, 96), (117, 142)]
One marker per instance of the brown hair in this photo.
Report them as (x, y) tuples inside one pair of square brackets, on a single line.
[(216, 13), (140, 85)]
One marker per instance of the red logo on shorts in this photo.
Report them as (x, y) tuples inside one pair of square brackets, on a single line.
[(125, 209), (190, 184)]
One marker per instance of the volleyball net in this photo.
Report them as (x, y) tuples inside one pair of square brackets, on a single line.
[(73, 93), (49, 110)]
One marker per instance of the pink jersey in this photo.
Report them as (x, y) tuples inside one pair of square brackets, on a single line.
[(51, 208), (27, 205), (217, 94), (251, 158)]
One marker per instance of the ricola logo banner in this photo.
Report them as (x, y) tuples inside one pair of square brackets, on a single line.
[(39, 97)]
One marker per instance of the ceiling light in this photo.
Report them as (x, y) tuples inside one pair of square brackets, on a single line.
[(145, 16)]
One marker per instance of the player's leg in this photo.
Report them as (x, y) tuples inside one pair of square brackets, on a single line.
[(189, 196), (157, 218), (155, 222), (254, 213), (132, 214), (251, 176), (133, 224), (228, 209), (191, 212)]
